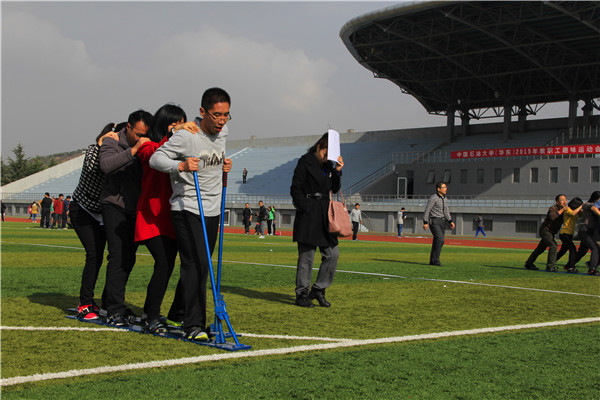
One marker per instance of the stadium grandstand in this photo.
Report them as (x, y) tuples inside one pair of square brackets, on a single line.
[(463, 60)]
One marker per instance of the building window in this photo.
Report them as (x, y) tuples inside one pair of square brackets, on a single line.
[(431, 176), (480, 175), (516, 175), (463, 176), (574, 174), (553, 175), (533, 177), (446, 176), (525, 226), (497, 175), (595, 174)]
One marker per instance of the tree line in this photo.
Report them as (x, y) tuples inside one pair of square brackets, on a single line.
[(22, 166)]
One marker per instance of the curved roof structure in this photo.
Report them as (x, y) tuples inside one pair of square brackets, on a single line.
[(478, 54)]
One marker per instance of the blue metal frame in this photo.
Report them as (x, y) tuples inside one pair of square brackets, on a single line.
[(220, 308)]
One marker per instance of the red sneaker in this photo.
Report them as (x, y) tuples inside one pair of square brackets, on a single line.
[(87, 312)]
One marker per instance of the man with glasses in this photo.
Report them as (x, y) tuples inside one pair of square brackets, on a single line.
[(204, 153), (436, 217), (120, 191)]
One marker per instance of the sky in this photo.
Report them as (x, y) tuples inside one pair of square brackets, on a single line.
[(69, 68)]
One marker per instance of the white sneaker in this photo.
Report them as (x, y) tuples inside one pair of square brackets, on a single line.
[(261, 237)]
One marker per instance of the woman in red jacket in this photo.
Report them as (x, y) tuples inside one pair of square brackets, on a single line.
[(153, 225)]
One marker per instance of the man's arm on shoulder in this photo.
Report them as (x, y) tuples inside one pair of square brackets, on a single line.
[(168, 156)]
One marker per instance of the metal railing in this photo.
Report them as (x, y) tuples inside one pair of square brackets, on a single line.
[(371, 178)]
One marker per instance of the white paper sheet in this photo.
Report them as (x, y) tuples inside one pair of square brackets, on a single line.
[(333, 145)]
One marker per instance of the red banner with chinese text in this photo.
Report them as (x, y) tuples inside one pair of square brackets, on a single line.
[(528, 151)]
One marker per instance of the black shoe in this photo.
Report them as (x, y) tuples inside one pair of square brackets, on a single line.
[(593, 272), (156, 326), (439, 264), (302, 300), (531, 267), (117, 320), (551, 269), (319, 295)]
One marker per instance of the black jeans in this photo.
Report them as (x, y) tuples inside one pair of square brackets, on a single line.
[(164, 251), (93, 238), (45, 220), (586, 236), (438, 230), (567, 245), (194, 263), (354, 230), (120, 229)]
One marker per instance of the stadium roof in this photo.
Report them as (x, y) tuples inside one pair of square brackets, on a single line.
[(474, 55)]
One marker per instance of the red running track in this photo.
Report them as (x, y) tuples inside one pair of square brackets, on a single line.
[(527, 244)]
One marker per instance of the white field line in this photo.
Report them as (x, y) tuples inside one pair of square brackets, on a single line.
[(107, 329), (365, 273), (424, 279), (287, 350)]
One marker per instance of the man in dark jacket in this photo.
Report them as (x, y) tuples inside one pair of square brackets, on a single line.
[(46, 204), (247, 218), (119, 196), (550, 227)]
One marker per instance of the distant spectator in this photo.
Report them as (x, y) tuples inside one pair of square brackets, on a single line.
[(356, 218), (480, 226), (34, 211), (65, 212), (262, 219), (270, 220), (247, 218), (58, 211), (436, 217), (3, 210), (401, 219), (244, 175), (46, 204), (29, 211)]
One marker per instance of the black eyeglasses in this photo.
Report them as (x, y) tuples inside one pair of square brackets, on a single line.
[(220, 117)]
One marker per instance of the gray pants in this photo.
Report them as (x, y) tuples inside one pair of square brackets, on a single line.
[(306, 257), (263, 227), (437, 226)]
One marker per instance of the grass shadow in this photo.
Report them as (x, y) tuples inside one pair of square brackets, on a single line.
[(59, 300), (256, 294), (64, 301)]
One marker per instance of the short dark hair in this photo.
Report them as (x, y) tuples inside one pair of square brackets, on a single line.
[(357, 204), (139, 115), (558, 196), (438, 185), (164, 117), (213, 96), (402, 208), (46, 194)]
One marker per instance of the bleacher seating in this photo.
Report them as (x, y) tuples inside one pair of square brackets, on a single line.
[(270, 169)]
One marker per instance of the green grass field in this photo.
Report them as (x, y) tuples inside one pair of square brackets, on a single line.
[(382, 291)]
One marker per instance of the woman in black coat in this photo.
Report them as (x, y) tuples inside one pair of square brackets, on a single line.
[(314, 177)]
